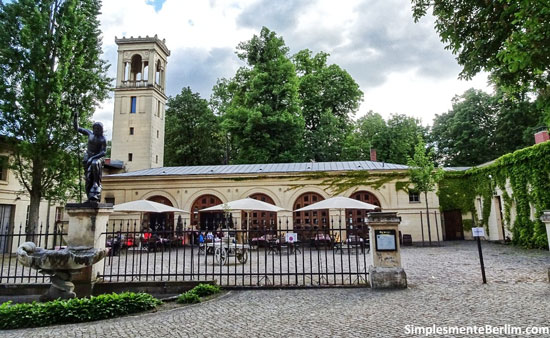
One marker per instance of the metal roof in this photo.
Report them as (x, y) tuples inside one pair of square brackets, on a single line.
[(264, 168), (456, 168)]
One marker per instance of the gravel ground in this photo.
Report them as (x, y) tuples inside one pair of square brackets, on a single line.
[(445, 289)]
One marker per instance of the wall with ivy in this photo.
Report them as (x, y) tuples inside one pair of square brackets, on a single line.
[(524, 179)]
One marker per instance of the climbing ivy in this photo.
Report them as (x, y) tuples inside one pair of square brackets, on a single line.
[(525, 172)]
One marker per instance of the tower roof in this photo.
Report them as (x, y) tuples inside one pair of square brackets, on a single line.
[(146, 39)]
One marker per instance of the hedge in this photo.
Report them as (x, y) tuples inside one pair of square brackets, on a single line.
[(14, 316)]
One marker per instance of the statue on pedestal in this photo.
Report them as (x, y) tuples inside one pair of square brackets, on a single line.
[(93, 159)]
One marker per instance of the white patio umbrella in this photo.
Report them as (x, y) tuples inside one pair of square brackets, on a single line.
[(245, 204), (146, 206), (141, 206), (339, 202)]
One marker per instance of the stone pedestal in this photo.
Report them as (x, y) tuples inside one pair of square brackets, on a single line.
[(87, 225), (386, 271)]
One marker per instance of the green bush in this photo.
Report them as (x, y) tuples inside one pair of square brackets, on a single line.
[(195, 294), (74, 310), (189, 297), (205, 290)]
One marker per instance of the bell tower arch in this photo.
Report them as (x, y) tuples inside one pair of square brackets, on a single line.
[(140, 98)]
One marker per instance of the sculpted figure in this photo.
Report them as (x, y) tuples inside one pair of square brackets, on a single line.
[(93, 159)]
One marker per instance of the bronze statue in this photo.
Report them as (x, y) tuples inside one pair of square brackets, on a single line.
[(93, 159)]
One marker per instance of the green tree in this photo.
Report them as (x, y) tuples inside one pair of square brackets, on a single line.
[(394, 140), (369, 132), (263, 118), (508, 38), (401, 137), (480, 127), (329, 98), (464, 136), (51, 68), (423, 175), (517, 118), (193, 135)]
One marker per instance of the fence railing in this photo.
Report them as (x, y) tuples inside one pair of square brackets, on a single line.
[(11, 271), (271, 256)]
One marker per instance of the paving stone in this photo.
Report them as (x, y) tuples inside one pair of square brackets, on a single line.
[(445, 289)]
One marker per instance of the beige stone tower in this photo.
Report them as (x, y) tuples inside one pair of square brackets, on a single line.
[(138, 117)]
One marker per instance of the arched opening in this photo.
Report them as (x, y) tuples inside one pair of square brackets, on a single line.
[(158, 71), (356, 218), (261, 222), (205, 220), (136, 70), (159, 222), (308, 224)]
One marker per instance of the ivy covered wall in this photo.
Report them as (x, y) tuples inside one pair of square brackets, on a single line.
[(526, 173)]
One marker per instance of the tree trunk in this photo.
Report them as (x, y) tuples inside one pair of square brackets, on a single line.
[(428, 218), (31, 227)]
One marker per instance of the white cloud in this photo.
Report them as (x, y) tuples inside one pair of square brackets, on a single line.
[(400, 65)]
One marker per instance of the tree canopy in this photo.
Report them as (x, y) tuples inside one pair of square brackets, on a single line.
[(263, 117), (329, 98), (481, 127), (192, 131), (51, 68), (394, 139), (508, 38)]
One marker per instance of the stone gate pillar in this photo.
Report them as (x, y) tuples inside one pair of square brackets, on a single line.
[(385, 271), (87, 225)]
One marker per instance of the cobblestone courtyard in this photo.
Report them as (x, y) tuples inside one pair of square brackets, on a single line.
[(445, 289)]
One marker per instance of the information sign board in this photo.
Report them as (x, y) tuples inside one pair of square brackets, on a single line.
[(385, 240)]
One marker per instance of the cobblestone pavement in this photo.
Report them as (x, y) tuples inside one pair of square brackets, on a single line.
[(445, 289)]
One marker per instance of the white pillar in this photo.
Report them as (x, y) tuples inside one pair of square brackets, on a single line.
[(545, 218)]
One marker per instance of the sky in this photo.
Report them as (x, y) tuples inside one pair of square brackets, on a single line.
[(401, 66)]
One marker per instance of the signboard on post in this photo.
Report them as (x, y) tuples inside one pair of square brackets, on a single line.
[(478, 232), (291, 237)]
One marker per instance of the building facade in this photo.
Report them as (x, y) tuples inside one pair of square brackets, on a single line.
[(14, 207), (140, 99), (290, 186)]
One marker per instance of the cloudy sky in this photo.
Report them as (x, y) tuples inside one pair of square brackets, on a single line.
[(401, 66)]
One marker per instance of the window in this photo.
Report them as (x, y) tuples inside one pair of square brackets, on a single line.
[(414, 197), (110, 200), (59, 214), (133, 103), (131, 130), (158, 133), (156, 158), (3, 168), (130, 156)]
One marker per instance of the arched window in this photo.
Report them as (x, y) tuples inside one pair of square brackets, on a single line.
[(356, 218), (160, 222), (204, 201), (261, 222), (309, 223)]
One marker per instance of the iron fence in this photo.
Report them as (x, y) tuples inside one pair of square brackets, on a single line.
[(274, 256), (11, 271)]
